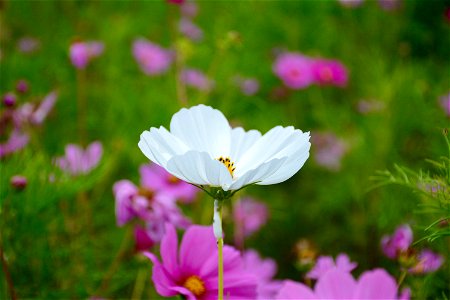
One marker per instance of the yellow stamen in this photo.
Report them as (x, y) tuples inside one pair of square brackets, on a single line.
[(195, 285), (146, 193), (228, 163), (173, 180)]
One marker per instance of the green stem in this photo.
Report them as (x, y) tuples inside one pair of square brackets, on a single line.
[(401, 278), (220, 283), (217, 227), (140, 284), (9, 281), (81, 105)]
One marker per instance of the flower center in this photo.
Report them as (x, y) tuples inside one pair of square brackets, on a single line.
[(326, 74), (173, 180), (228, 163), (146, 193), (195, 285)]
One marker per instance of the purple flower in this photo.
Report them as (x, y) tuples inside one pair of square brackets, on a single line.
[(427, 262), (338, 284), (329, 150), (190, 30), (28, 44), (248, 86), (249, 215), (38, 116), (189, 9), (142, 239), (444, 101), (81, 53), (177, 2), (191, 272), (19, 182), (326, 263), (294, 70), (17, 140), (9, 100), (197, 79), (152, 59), (77, 161), (398, 242), (329, 72), (158, 179), (351, 3), (22, 86), (264, 270)]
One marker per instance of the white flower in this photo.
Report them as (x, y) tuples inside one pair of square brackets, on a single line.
[(201, 148)]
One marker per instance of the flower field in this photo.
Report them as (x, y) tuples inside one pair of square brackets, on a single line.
[(225, 149)]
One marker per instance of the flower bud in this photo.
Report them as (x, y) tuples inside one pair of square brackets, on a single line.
[(9, 100), (18, 182)]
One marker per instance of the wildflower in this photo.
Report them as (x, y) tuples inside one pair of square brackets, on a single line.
[(81, 53), (427, 262), (190, 30), (444, 101), (192, 271), (19, 182), (326, 263), (152, 59), (248, 86), (41, 112), (329, 72), (17, 140), (22, 86), (157, 179), (28, 44), (177, 2), (197, 79), (264, 271), (398, 242), (77, 161), (294, 70), (351, 3), (189, 9), (9, 100), (142, 239), (339, 284), (203, 149), (329, 150), (249, 215)]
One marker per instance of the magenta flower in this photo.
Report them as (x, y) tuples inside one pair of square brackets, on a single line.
[(177, 2), (398, 242), (329, 72), (18, 182), (143, 241), (158, 179), (192, 271), (428, 261), (329, 150), (338, 284), (326, 263), (9, 100), (444, 101), (152, 59), (390, 5), (190, 30), (248, 86), (17, 140), (81, 53), (22, 86), (294, 70), (264, 270), (249, 215), (77, 161), (197, 79)]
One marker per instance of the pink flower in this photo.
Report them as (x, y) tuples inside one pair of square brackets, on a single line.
[(329, 72), (294, 70), (77, 161), (9, 100), (19, 182), (142, 239), (444, 101), (428, 262), (192, 271), (351, 3), (158, 179), (28, 44), (190, 30), (177, 2), (197, 79), (329, 150), (189, 9), (248, 86), (152, 59), (264, 270), (249, 215), (17, 140), (81, 53), (398, 242), (338, 284), (41, 112), (390, 5), (326, 263)]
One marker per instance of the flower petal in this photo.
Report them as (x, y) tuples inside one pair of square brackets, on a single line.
[(162, 280), (231, 261), (335, 284), (202, 128), (169, 247), (199, 168), (376, 284), (294, 290), (241, 141)]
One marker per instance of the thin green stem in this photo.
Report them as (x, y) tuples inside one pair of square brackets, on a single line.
[(217, 227), (220, 283), (9, 281), (401, 278), (140, 284), (81, 105)]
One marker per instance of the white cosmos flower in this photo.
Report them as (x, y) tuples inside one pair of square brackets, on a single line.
[(202, 148)]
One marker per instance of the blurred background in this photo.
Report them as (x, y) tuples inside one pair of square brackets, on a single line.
[(75, 72)]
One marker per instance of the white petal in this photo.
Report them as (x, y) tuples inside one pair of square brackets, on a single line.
[(241, 141), (296, 153), (159, 145), (258, 174), (202, 128), (199, 168)]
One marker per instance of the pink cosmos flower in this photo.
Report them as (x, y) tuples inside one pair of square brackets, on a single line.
[(294, 69), (19, 182), (158, 179), (428, 261), (197, 79), (338, 284), (77, 161), (17, 140), (326, 263), (142, 239), (249, 215), (190, 30), (398, 242), (329, 150), (192, 271), (9, 100), (444, 101), (152, 59), (264, 271), (329, 72), (81, 53)]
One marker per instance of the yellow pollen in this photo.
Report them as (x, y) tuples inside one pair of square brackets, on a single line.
[(195, 285), (146, 193), (173, 180), (228, 163)]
